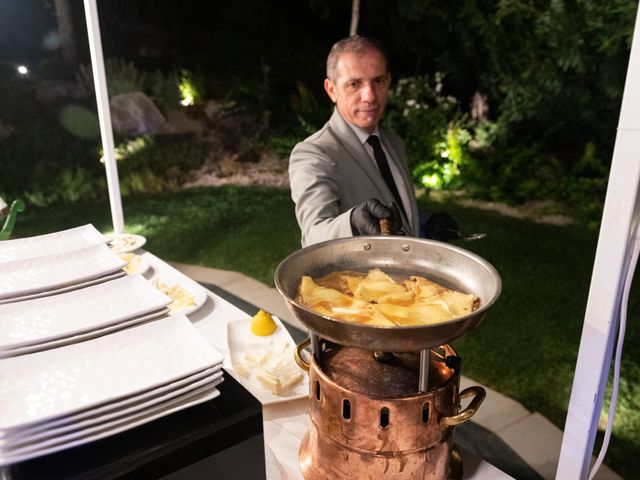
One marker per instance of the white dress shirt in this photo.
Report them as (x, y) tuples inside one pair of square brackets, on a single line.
[(363, 135)]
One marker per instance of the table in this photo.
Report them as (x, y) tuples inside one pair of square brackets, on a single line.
[(286, 423), (232, 435)]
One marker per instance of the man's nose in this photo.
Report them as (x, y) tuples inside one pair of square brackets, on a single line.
[(368, 93)]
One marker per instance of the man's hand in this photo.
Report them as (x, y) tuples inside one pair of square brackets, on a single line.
[(441, 226), (365, 218)]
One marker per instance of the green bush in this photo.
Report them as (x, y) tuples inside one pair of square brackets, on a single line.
[(52, 155), (281, 144), (46, 165), (164, 87), (435, 132), (420, 115), (34, 155), (124, 77), (156, 164), (310, 113)]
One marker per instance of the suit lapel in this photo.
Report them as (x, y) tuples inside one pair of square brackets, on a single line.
[(345, 136)]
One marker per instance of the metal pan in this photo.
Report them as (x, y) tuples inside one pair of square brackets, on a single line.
[(400, 257)]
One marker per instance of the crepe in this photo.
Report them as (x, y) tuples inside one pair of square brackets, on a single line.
[(377, 299), (181, 297), (333, 303)]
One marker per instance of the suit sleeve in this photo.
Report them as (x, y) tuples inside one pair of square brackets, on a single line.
[(316, 193)]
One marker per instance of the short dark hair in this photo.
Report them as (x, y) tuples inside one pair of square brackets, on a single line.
[(353, 44)]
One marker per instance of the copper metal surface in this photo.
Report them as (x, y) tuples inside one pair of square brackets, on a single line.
[(350, 437), (400, 257), (358, 370)]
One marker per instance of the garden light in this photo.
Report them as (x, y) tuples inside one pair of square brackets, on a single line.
[(187, 100), (431, 181), (22, 70), (188, 90)]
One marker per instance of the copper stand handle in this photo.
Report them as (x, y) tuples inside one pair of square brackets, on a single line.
[(297, 355), (478, 393)]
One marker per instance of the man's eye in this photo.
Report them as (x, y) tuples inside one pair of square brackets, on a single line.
[(352, 85)]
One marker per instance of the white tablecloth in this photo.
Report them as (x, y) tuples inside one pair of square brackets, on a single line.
[(286, 423)]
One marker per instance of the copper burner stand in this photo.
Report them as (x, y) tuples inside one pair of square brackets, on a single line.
[(378, 419)]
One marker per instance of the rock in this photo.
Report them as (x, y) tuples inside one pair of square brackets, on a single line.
[(134, 114), (180, 122), (213, 108)]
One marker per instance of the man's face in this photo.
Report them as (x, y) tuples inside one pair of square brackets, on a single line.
[(361, 88)]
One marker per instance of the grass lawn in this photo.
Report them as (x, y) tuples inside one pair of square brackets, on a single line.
[(527, 345)]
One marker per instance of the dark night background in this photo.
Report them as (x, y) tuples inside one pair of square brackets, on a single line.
[(232, 40), (551, 73)]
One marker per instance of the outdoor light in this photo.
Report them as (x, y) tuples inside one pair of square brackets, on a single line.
[(22, 70), (187, 101), (431, 181), (188, 90)]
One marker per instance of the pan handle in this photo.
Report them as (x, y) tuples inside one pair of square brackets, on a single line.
[(478, 394), (385, 226), (297, 355)]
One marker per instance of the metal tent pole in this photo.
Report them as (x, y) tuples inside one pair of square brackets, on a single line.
[(621, 212), (104, 114)]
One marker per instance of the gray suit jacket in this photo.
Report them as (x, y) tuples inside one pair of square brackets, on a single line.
[(331, 173)]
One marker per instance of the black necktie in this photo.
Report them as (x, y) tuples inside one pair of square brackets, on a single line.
[(383, 166)]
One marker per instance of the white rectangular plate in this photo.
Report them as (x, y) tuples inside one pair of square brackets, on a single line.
[(68, 288), (240, 341), (62, 381), (72, 313), (213, 373), (19, 441), (55, 271), (50, 244), (109, 428), (82, 337)]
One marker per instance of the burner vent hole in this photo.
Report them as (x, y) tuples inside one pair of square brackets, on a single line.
[(317, 390), (384, 417), (425, 413), (346, 409)]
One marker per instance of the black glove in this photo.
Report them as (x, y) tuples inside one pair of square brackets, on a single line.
[(441, 226), (365, 218)]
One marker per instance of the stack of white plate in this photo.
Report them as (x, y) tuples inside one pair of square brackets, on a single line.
[(85, 351), (54, 263), (63, 397), (78, 315), (50, 244)]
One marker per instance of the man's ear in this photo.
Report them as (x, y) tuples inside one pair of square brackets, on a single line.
[(330, 88)]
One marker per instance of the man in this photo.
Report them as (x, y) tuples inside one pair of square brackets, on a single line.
[(352, 173)]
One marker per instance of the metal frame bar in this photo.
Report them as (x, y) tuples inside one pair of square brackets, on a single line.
[(104, 114), (621, 212)]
